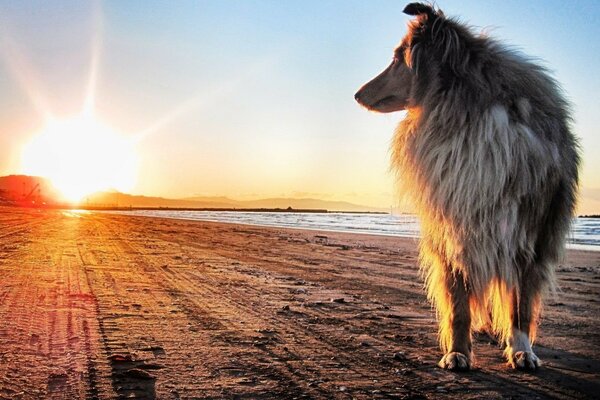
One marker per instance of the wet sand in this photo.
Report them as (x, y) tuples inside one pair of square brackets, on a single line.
[(105, 306)]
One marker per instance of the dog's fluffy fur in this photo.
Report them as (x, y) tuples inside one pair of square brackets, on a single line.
[(487, 157)]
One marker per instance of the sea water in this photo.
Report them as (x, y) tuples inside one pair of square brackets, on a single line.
[(585, 233)]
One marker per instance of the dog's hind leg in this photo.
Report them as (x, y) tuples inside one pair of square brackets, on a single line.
[(526, 305), (455, 325)]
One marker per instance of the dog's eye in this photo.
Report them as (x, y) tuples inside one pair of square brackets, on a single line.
[(395, 60)]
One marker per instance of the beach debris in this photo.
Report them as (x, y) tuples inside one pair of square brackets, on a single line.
[(339, 246), (156, 350), (321, 239), (338, 300), (285, 308), (120, 358)]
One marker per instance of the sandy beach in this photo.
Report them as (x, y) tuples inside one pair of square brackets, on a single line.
[(99, 306)]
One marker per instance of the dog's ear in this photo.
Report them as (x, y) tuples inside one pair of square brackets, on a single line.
[(419, 9), (433, 36)]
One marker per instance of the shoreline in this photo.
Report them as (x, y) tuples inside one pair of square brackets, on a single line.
[(569, 246)]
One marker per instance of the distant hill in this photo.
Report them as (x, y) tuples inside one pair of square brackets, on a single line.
[(116, 199), (32, 190), (304, 203)]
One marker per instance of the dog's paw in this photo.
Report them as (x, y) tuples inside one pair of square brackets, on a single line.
[(455, 361), (525, 360)]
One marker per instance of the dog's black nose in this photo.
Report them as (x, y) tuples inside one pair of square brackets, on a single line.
[(357, 96)]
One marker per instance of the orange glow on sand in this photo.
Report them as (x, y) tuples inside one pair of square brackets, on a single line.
[(81, 156)]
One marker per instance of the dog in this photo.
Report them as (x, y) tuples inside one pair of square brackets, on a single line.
[(486, 155)]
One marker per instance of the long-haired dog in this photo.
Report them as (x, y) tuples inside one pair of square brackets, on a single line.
[(487, 157)]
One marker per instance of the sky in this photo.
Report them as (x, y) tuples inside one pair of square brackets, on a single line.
[(254, 99)]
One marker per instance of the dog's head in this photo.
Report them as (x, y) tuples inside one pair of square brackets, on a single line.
[(434, 53)]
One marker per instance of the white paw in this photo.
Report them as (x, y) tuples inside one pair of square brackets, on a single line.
[(455, 361), (519, 353), (526, 360)]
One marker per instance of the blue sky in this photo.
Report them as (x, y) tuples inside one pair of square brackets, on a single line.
[(255, 99)]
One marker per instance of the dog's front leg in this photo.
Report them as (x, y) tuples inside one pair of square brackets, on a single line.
[(455, 325), (526, 306)]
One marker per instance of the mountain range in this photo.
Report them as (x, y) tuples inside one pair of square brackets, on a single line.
[(34, 190), (117, 199)]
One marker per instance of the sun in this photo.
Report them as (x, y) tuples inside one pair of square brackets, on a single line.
[(80, 156)]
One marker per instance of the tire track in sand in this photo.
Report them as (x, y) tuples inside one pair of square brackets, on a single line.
[(50, 331)]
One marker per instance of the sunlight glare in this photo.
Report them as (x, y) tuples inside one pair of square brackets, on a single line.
[(81, 156)]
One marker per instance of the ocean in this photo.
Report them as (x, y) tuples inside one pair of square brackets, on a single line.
[(585, 233)]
